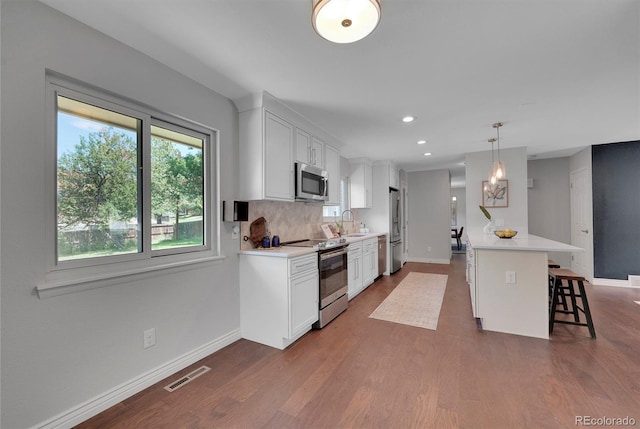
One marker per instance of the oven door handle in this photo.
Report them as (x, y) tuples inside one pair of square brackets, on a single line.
[(327, 255)]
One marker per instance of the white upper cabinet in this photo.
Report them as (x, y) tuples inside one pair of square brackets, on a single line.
[(266, 156), (361, 186), (273, 137), (394, 177), (309, 149), (303, 146), (278, 145), (332, 165)]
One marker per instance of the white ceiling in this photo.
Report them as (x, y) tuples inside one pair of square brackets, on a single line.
[(560, 74)]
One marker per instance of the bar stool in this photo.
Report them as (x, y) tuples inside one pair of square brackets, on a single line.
[(552, 264), (564, 286)]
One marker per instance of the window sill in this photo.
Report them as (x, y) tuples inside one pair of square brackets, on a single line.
[(78, 284)]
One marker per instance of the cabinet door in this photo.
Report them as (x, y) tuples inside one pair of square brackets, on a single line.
[(354, 269), (303, 146), (332, 165), (278, 141), (317, 152), (368, 186), (361, 185), (367, 266), (394, 180), (304, 296)]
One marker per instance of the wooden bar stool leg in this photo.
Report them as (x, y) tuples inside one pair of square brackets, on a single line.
[(554, 298), (587, 310), (574, 303)]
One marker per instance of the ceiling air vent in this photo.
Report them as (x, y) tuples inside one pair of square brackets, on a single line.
[(186, 379)]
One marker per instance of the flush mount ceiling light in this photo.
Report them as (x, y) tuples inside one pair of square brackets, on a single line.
[(345, 21), (427, 154), (408, 119), (422, 141), (498, 171)]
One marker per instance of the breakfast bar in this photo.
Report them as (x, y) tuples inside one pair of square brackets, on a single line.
[(508, 282)]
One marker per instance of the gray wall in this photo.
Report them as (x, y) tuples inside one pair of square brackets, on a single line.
[(550, 203), (59, 352), (429, 220)]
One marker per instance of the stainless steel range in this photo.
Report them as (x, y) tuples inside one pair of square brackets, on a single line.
[(332, 260)]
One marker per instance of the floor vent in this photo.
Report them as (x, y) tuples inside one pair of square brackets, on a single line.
[(187, 378), (634, 281)]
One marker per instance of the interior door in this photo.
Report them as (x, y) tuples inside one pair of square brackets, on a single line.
[(581, 219)]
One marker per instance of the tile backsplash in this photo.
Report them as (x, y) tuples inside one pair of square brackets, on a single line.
[(289, 220)]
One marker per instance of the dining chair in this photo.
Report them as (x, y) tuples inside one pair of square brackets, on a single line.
[(458, 236)]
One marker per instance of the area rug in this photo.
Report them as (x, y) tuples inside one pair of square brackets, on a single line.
[(416, 301)]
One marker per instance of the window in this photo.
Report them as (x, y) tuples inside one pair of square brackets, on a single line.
[(130, 184), (454, 211), (333, 213)]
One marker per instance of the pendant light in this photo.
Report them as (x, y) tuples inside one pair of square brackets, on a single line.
[(345, 21), (498, 166), (498, 171), (492, 174)]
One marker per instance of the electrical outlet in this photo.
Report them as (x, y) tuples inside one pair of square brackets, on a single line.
[(149, 338), (510, 277), (235, 232), (429, 249)]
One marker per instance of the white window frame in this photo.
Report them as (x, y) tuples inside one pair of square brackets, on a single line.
[(80, 274), (344, 204)]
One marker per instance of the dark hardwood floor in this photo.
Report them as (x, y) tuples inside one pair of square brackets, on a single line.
[(365, 373)]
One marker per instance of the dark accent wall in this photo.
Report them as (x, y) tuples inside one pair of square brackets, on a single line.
[(616, 209)]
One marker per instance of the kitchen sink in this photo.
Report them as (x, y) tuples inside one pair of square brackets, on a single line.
[(359, 234)]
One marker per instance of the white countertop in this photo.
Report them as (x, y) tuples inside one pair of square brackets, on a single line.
[(523, 242), (292, 251), (280, 252)]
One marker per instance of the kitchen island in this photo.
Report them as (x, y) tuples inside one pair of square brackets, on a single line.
[(508, 282)]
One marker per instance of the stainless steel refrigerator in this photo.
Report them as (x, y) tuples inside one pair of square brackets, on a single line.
[(395, 229)]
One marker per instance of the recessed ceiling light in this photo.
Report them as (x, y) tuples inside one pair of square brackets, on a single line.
[(408, 119), (427, 154), (422, 141)]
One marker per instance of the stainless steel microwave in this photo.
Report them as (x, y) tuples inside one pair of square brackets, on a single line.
[(312, 183)]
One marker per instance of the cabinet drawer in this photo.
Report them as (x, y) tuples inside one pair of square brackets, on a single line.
[(369, 246), (302, 264), (355, 247)]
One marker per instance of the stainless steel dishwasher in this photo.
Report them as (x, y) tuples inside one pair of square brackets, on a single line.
[(382, 254)]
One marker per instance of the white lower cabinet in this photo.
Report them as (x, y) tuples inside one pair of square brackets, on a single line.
[(303, 307), (278, 298), (369, 261), (471, 279), (354, 269), (362, 265)]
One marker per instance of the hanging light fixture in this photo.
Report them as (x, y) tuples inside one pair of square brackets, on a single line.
[(345, 21), (498, 166), (498, 171), (492, 174)]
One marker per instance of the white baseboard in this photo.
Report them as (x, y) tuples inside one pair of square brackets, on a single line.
[(119, 393), (613, 282), (430, 260)]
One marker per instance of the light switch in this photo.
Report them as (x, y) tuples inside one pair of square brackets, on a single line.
[(511, 277)]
